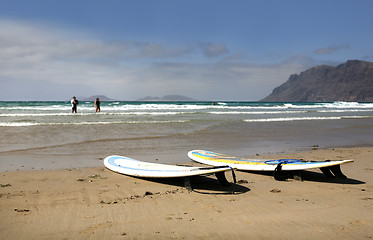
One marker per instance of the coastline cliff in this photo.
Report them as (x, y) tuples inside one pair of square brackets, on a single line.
[(350, 81)]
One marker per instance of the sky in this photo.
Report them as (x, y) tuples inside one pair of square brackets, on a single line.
[(236, 50)]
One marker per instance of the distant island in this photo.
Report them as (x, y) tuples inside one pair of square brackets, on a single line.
[(167, 98), (102, 98), (350, 81)]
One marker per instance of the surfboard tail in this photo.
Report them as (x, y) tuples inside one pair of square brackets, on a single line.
[(333, 172)]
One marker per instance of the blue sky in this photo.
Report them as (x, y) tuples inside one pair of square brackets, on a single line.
[(207, 50)]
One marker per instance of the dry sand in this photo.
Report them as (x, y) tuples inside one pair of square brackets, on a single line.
[(95, 203)]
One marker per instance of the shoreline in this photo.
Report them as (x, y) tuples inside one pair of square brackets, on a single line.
[(96, 203), (25, 159)]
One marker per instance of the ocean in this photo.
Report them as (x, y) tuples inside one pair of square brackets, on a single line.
[(22, 114), (169, 129)]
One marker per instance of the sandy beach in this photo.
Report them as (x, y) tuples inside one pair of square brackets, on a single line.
[(54, 184), (95, 203)]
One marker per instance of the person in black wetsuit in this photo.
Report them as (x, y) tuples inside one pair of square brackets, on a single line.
[(74, 105), (97, 105)]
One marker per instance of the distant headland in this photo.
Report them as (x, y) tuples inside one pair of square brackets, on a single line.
[(350, 81), (102, 98)]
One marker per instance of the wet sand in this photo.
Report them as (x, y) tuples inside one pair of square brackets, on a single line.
[(59, 147), (95, 203)]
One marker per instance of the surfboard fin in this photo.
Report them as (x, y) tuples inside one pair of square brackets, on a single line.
[(336, 170), (333, 171), (221, 177), (278, 174), (326, 171), (223, 180)]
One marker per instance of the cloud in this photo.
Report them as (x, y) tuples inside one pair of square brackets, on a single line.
[(368, 57), (331, 49), (216, 80), (147, 50), (44, 63), (214, 49), (30, 42), (300, 59), (234, 57)]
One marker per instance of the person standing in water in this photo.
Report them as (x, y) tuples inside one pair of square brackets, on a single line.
[(97, 105), (74, 105)]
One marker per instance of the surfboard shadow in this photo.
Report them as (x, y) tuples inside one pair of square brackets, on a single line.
[(201, 184), (304, 175), (209, 185)]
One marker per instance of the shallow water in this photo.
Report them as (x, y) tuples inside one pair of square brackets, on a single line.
[(47, 135)]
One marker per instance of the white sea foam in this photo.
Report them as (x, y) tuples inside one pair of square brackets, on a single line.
[(27, 124), (122, 106), (288, 119), (345, 110), (18, 124), (46, 113), (89, 114), (34, 114), (348, 105), (129, 107), (38, 108), (257, 112), (330, 105), (150, 113)]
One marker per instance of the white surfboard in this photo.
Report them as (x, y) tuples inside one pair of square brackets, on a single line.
[(252, 164), (132, 167)]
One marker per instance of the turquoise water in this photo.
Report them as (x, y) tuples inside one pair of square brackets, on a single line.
[(21, 114)]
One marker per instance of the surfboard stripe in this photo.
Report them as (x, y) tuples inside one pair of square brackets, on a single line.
[(233, 160)]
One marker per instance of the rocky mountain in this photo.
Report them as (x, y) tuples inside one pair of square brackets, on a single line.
[(167, 98), (350, 81)]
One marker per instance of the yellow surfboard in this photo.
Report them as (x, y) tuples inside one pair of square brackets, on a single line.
[(329, 168)]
